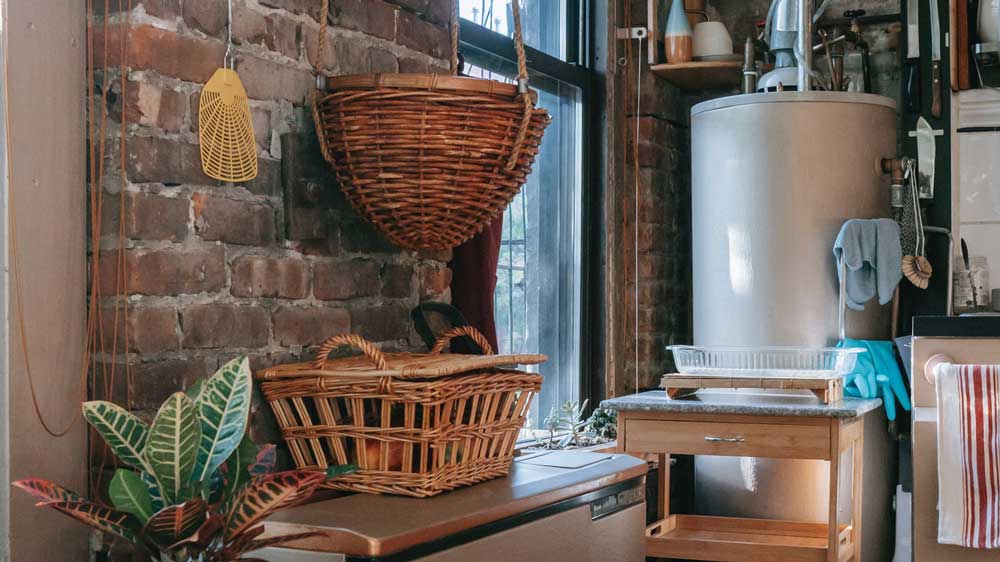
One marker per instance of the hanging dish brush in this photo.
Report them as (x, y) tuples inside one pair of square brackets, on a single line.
[(225, 128), (916, 267)]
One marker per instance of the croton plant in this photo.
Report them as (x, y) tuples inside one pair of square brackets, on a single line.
[(196, 488)]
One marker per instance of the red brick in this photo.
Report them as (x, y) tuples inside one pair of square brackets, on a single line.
[(397, 280), (351, 234), (309, 326), (435, 281), (373, 17), (382, 323), (149, 329), (154, 382), (261, 119), (148, 217), (225, 326), (421, 35), (345, 280), (268, 180), (268, 80), (187, 58), (236, 222), (166, 9), (164, 161), (282, 35), (206, 16), (153, 106), (248, 25), (347, 55), (309, 7), (166, 272), (259, 276)]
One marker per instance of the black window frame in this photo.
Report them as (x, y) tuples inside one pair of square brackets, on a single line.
[(582, 52)]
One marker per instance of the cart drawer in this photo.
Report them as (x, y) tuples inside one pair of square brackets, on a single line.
[(782, 441)]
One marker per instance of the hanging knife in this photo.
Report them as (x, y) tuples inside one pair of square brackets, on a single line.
[(912, 63), (935, 60)]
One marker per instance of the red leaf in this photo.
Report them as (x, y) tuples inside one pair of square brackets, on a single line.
[(47, 491), (267, 495), (99, 517), (176, 522)]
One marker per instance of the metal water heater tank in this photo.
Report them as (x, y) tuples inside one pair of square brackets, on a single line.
[(775, 175)]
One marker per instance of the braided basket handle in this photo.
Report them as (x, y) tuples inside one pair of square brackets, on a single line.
[(469, 331), (357, 342)]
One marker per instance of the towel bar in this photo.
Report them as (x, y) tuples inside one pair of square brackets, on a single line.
[(933, 364)]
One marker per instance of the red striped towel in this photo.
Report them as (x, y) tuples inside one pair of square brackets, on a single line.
[(969, 455)]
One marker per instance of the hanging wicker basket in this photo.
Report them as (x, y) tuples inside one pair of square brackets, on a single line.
[(430, 159)]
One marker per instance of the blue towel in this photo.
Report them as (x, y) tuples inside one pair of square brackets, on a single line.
[(873, 254), (877, 375)]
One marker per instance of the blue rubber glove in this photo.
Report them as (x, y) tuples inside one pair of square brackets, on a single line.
[(877, 374)]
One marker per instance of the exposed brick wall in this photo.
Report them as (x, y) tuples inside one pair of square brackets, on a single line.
[(211, 270)]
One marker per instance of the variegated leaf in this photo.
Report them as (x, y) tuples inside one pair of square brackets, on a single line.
[(195, 389), (172, 447), (129, 493), (238, 466), (267, 459), (122, 431), (276, 541), (223, 407), (47, 491), (154, 491), (267, 494), (204, 535), (175, 523), (99, 517)]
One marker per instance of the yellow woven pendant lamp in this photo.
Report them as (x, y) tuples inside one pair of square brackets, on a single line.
[(225, 127)]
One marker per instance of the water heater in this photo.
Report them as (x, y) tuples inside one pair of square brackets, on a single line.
[(775, 175)]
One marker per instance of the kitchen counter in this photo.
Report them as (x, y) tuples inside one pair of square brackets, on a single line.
[(743, 403), (364, 526), (956, 326)]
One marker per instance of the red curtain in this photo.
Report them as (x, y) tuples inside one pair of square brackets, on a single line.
[(474, 278)]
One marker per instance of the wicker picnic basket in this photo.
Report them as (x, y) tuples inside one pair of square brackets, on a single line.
[(413, 424), (429, 159)]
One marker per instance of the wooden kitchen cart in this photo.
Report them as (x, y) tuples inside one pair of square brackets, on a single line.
[(751, 425)]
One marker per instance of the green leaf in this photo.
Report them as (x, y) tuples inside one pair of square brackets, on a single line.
[(172, 447), (340, 470), (238, 466), (175, 523), (194, 390), (154, 491), (122, 431), (224, 408), (99, 517), (266, 495), (129, 493)]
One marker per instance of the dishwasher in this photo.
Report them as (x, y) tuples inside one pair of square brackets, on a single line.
[(560, 506)]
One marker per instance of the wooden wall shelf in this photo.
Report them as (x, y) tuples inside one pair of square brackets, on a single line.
[(702, 75)]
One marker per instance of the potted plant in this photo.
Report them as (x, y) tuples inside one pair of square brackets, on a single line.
[(195, 487), (577, 431)]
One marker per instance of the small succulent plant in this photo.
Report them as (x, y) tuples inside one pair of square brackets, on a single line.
[(195, 487), (567, 417), (604, 424)]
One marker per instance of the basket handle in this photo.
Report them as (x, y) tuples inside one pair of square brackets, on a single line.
[(357, 342), (469, 331)]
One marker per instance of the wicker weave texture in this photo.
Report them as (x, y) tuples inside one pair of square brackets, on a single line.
[(427, 167), (413, 437)]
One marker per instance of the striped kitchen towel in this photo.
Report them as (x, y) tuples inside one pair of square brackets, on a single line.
[(969, 455)]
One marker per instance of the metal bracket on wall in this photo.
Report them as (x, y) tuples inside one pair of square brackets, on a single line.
[(631, 33), (307, 188)]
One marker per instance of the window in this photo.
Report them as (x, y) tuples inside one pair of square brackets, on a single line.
[(539, 293)]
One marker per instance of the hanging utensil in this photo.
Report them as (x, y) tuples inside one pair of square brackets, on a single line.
[(912, 63), (971, 274), (935, 60), (916, 267), (225, 127)]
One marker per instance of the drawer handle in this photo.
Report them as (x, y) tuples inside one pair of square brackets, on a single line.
[(725, 439)]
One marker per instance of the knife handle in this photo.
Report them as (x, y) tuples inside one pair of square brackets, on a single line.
[(913, 86), (936, 89)]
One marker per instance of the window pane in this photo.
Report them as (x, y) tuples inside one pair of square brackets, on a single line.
[(537, 299), (543, 22)]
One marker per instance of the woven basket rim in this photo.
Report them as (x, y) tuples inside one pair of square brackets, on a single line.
[(417, 81), (401, 366)]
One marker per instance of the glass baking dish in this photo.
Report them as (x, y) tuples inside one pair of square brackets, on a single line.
[(765, 362)]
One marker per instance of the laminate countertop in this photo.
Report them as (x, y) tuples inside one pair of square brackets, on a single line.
[(373, 526), (742, 403)]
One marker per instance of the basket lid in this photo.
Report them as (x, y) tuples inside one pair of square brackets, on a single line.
[(421, 82), (374, 363)]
